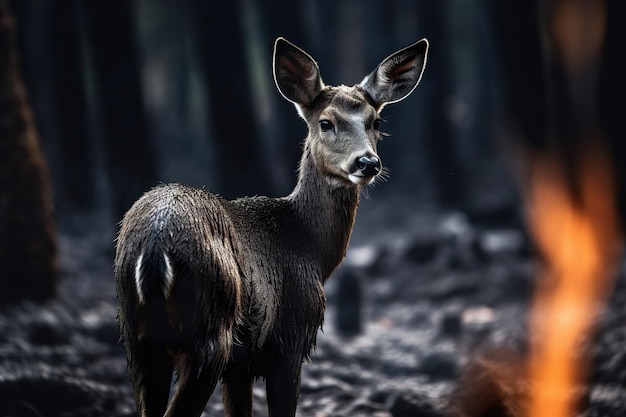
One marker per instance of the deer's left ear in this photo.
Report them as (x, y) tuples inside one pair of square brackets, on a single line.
[(398, 75)]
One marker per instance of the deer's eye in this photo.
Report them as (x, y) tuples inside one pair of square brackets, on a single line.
[(326, 125), (376, 124)]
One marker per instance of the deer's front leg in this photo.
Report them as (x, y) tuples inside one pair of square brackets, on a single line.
[(283, 387)]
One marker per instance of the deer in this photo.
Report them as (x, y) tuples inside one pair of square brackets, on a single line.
[(223, 291)]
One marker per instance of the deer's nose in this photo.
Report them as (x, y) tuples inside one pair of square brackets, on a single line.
[(368, 165)]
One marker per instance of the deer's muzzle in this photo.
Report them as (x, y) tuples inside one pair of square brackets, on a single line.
[(364, 168), (369, 165)]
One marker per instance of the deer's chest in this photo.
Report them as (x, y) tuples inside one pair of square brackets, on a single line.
[(282, 318)]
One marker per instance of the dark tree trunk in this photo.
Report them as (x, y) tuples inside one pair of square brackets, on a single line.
[(612, 90), (442, 153), (77, 175), (50, 45), (242, 168), (28, 253), (517, 36), (130, 155), (285, 18)]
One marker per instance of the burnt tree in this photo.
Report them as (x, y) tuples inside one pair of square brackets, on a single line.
[(49, 41), (611, 93), (77, 176), (235, 127), (445, 164), (130, 153), (28, 250)]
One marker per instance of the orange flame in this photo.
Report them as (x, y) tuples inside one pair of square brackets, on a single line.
[(578, 240)]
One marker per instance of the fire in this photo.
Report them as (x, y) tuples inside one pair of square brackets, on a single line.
[(577, 235)]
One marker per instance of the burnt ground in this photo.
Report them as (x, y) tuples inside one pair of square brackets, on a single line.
[(420, 296)]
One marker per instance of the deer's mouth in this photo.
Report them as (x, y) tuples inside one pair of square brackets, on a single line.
[(359, 178)]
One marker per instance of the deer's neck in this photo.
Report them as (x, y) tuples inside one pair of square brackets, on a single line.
[(326, 210)]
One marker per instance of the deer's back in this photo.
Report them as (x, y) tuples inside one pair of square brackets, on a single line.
[(255, 244), (183, 221)]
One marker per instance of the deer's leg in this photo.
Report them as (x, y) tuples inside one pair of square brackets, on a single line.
[(283, 388), (192, 392), (154, 375), (197, 381), (237, 394), (194, 388)]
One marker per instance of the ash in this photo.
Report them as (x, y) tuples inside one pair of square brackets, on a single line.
[(418, 299)]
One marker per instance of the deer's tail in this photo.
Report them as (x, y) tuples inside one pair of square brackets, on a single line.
[(171, 339), (154, 278)]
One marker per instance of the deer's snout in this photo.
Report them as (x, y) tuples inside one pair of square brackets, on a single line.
[(368, 165), (364, 168)]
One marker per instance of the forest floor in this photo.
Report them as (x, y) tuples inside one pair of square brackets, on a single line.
[(414, 317)]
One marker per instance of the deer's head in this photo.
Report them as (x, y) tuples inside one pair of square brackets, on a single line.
[(343, 121)]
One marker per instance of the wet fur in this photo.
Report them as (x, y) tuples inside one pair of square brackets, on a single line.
[(258, 287)]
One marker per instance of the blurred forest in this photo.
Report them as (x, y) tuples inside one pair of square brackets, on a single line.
[(127, 94)]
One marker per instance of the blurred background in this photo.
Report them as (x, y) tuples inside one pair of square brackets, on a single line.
[(104, 100), (132, 93), (127, 94)]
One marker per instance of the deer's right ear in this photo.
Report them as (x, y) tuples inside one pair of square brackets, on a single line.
[(296, 74)]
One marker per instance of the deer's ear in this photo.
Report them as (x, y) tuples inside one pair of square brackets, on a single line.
[(296, 74), (398, 75)]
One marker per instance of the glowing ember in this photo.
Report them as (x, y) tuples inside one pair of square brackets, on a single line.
[(578, 239)]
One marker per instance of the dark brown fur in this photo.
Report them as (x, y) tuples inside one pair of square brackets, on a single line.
[(247, 275)]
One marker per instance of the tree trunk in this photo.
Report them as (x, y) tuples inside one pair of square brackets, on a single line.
[(131, 157), (442, 151), (28, 252), (612, 90), (77, 175), (240, 163)]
